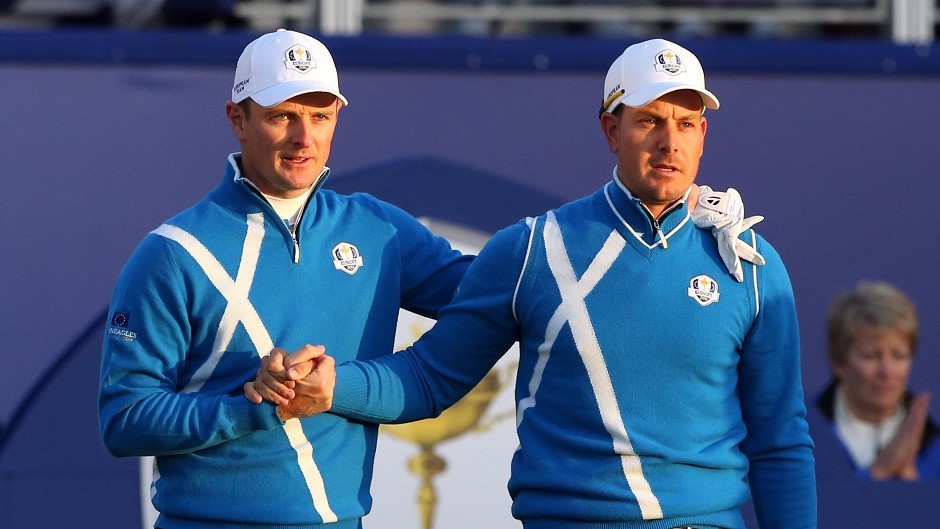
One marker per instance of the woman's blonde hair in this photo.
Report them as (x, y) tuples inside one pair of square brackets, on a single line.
[(870, 305)]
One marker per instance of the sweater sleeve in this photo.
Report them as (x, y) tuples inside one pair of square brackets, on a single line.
[(778, 445), (142, 408), (430, 269), (470, 336)]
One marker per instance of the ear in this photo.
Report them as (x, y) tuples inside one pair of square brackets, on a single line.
[(237, 120), (704, 130), (610, 126)]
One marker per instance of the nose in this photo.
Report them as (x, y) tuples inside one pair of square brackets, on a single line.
[(667, 141), (302, 134), (888, 367), (884, 366)]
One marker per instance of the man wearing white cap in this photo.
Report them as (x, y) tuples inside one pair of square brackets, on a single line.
[(653, 378), (267, 257)]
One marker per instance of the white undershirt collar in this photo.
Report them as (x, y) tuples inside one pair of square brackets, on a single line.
[(863, 439), (288, 209)]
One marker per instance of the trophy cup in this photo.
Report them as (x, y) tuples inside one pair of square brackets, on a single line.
[(462, 417)]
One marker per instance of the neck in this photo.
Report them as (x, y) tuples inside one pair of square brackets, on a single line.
[(656, 210), (868, 413)]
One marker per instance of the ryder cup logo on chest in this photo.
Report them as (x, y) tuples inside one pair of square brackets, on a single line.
[(667, 61), (299, 58), (704, 290), (346, 257)]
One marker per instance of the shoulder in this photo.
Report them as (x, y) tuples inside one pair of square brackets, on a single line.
[(514, 237), (359, 199), (364, 205), (206, 215), (586, 206), (774, 266), (154, 261)]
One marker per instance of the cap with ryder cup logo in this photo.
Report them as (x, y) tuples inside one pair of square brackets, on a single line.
[(280, 65), (649, 70)]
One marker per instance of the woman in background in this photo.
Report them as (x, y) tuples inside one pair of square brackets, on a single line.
[(882, 426)]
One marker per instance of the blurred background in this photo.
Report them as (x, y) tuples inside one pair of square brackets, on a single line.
[(470, 114), (902, 21)]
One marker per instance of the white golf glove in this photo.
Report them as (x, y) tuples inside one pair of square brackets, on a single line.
[(723, 213)]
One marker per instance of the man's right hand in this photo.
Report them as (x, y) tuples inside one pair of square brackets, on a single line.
[(300, 383)]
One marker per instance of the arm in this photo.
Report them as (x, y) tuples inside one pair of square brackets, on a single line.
[(143, 406), (430, 272), (449, 360), (778, 445), (430, 269)]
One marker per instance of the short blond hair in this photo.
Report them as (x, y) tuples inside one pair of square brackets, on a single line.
[(869, 305)]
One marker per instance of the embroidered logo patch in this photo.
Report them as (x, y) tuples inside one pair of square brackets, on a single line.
[(298, 58), (118, 327), (704, 290), (667, 61), (120, 319), (346, 257)]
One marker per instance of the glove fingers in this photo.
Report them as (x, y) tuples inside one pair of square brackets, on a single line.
[(749, 222), (748, 253), (734, 265)]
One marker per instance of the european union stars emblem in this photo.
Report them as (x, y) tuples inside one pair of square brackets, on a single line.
[(120, 319)]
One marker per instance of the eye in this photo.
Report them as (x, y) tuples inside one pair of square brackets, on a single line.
[(902, 354)]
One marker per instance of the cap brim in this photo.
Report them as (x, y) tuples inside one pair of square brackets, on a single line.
[(650, 93), (277, 94)]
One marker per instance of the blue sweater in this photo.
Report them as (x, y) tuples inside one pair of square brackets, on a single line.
[(222, 283), (650, 383)]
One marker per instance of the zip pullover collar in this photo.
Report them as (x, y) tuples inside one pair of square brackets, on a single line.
[(241, 195), (636, 218)]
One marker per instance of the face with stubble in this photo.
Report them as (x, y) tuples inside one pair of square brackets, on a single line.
[(658, 146), (285, 147)]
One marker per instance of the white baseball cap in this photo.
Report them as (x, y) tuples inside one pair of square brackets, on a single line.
[(280, 65), (648, 70)]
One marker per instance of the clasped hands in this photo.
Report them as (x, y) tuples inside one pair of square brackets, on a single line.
[(898, 459), (299, 383)]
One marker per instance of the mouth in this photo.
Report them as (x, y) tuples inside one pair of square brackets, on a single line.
[(666, 169), (296, 160)]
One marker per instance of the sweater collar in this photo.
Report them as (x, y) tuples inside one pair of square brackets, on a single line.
[(635, 217), (240, 194)]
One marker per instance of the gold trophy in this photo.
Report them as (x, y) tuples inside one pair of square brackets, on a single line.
[(462, 417)]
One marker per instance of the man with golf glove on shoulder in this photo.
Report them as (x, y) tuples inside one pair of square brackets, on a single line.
[(659, 380)]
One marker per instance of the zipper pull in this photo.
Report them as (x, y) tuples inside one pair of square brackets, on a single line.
[(659, 230)]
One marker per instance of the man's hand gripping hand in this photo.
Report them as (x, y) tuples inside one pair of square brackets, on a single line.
[(300, 383)]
